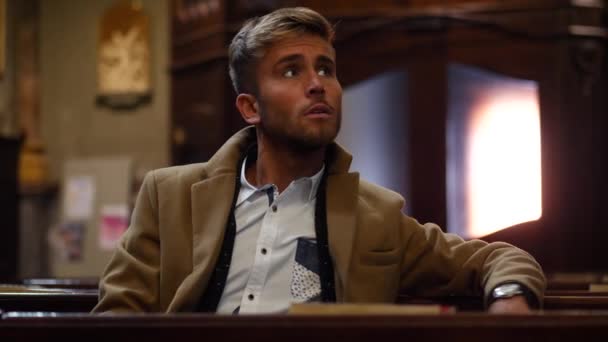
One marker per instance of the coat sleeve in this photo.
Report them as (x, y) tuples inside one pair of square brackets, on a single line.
[(435, 263), (130, 282)]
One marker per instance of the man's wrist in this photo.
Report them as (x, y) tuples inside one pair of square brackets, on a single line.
[(511, 289)]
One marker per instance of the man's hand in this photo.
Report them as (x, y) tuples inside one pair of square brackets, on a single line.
[(515, 305)]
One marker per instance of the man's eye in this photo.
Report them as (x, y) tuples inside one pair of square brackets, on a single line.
[(289, 73), (324, 71)]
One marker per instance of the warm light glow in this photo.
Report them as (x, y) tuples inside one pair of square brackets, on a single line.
[(503, 162)]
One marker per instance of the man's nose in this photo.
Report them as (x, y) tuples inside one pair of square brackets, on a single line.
[(315, 85)]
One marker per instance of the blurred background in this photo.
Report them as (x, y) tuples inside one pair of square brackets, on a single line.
[(489, 117)]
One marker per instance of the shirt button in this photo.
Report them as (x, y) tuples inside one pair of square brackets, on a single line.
[(264, 251), (251, 297), (274, 208)]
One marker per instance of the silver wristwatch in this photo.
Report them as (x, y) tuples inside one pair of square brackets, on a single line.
[(507, 291)]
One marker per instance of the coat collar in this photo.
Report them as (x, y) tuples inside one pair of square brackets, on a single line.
[(211, 203)]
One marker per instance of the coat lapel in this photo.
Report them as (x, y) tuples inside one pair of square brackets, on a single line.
[(341, 225), (211, 203)]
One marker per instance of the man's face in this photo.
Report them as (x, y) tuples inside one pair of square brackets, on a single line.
[(299, 96)]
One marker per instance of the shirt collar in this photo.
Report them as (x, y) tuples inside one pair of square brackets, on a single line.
[(315, 181), (246, 188), (311, 184)]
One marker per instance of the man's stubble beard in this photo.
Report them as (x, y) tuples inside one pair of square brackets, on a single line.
[(284, 130)]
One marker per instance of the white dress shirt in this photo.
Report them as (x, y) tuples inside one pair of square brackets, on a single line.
[(274, 259)]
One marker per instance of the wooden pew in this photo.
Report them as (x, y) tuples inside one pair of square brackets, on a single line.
[(33, 298), (23, 298), (63, 283), (576, 302), (554, 300), (269, 328), (80, 295), (573, 281)]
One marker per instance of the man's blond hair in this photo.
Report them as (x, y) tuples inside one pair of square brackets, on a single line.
[(258, 33)]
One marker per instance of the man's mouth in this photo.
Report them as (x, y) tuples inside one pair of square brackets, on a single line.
[(319, 110)]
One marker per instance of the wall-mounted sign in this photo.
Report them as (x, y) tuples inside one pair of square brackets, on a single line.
[(113, 222), (123, 56)]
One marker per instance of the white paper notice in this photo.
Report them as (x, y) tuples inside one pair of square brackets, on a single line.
[(79, 197), (114, 220)]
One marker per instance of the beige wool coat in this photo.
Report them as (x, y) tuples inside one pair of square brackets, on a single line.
[(167, 255)]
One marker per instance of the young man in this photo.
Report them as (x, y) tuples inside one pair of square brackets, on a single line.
[(275, 218)]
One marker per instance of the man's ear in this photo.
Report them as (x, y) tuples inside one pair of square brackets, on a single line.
[(248, 107)]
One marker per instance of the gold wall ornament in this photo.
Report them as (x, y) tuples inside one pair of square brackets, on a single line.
[(123, 56)]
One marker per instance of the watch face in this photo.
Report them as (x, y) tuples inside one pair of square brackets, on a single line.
[(507, 290)]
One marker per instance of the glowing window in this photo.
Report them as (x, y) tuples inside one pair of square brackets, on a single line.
[(494, 152)]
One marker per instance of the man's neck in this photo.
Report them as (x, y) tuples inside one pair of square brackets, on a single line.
[(279, 165)]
